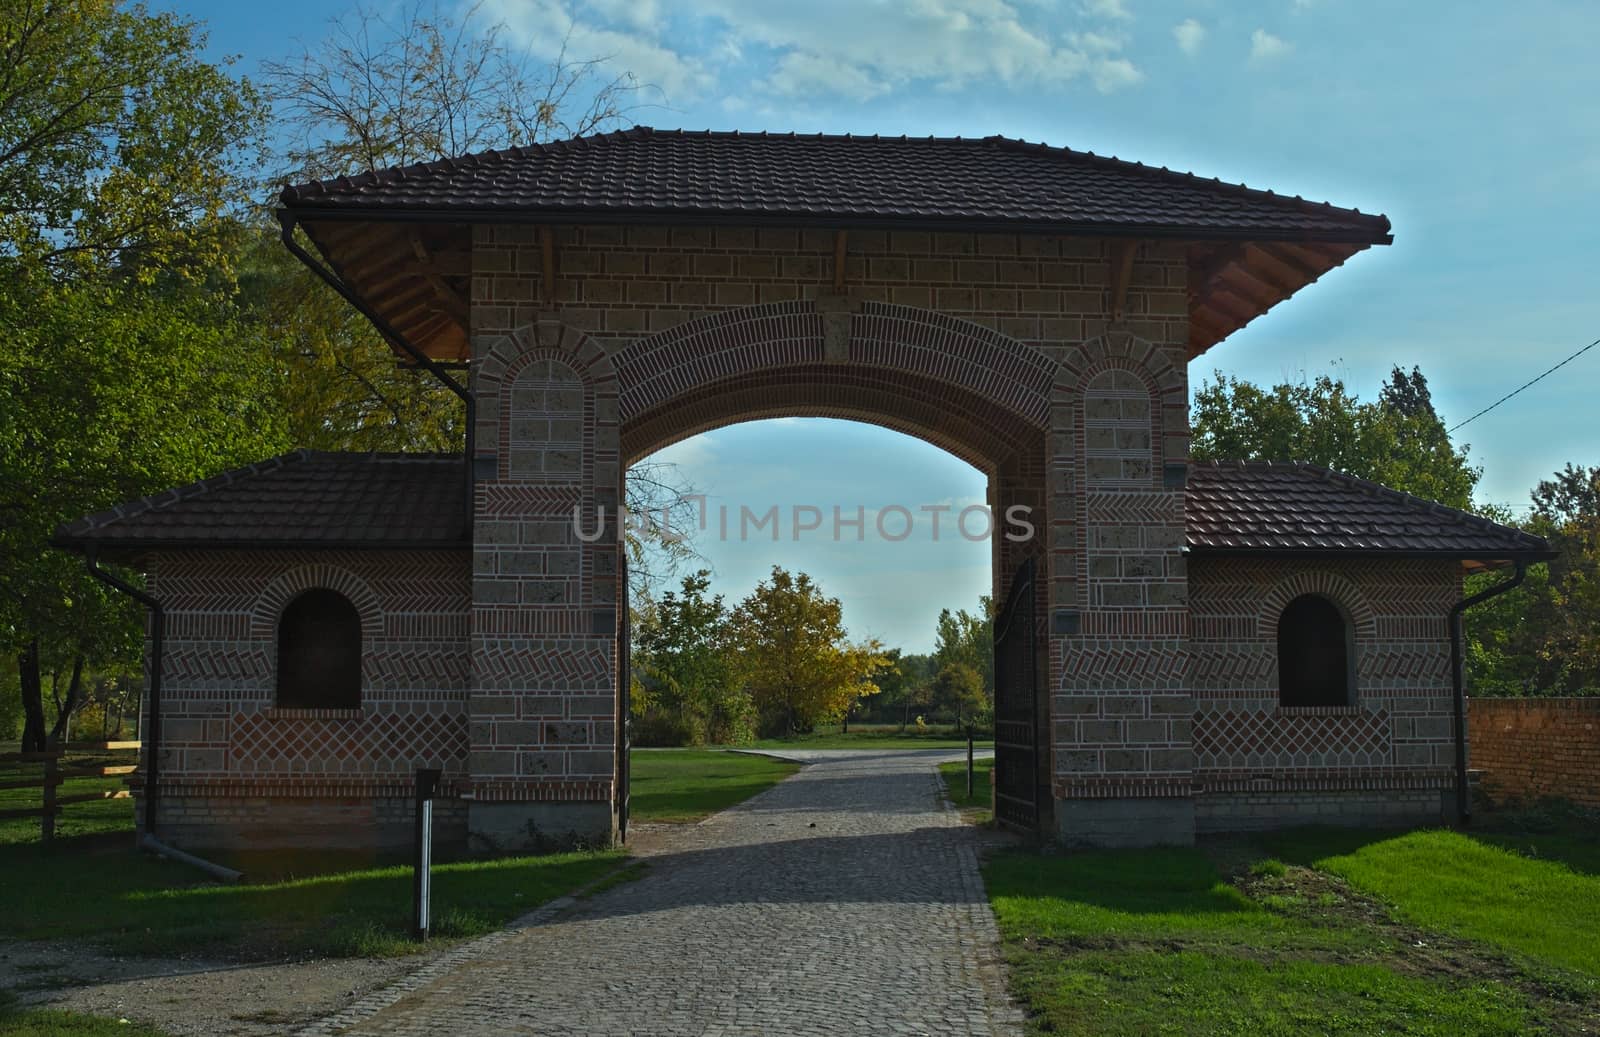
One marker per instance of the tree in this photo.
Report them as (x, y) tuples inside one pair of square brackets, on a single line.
[(428, 84), (123, 159), (958, 691), (339, 386), (968, 639), (119, 146), (1543, 638), (423, 85), (379, 92), (799, 665), (107, 393), (1398, 441), (686, 670)]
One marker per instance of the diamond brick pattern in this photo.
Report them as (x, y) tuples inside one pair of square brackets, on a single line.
[(1274, 738), (387, 743)]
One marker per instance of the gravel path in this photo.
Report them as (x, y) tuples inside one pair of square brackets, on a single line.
[(845, 900)]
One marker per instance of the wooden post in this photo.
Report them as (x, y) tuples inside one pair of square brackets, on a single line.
[(47, 820)]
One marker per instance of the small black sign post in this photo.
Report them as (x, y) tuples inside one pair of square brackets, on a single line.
[(422, 879)]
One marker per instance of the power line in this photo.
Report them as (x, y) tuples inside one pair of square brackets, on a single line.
[(1523, 386)]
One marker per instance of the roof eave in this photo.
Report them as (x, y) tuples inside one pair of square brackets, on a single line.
[(128, 546), (1172, 231), (1487, 558)]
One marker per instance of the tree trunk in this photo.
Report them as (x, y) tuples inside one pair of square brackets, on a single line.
[(70, 705), (33, 728)]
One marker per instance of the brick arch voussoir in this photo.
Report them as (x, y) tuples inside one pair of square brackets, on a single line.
[(1342, 592), (291, 583), (768, 339), (1134, 353), (575, 349), (909, 405)]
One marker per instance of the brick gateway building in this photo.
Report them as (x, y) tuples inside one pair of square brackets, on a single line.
[(1190, 648)]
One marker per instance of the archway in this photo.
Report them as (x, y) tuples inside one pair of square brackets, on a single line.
[(561, 417)]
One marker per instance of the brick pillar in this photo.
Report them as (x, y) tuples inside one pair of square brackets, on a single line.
[(1119, 619), (543, 629)]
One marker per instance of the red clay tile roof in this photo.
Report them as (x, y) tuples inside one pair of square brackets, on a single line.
[(306, 498), (989, 183), (312, 499), (1295, 508)]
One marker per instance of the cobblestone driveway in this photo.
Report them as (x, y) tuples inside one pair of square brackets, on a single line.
[(845, 900)]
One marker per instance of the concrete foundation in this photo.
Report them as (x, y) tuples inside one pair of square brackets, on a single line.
[(384, 825), (1263, 811), (1119, 823), (494, 828)]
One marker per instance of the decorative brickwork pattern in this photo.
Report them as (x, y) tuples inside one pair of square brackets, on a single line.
[(1395, 736), (1120, 709), (544, 610), (1530, 749), (223, 737), (500, 665)]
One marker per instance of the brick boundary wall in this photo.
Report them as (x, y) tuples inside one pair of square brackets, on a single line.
[(1530, 749)]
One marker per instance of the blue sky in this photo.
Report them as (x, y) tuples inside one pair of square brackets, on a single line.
[(1473, 125)]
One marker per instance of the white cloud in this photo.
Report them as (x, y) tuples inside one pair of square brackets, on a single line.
[(868, 49), (1264, 45), (833, 48), (640, 14), (1107, 9), (1095, 42), (1112, 74), (543, 25), (801, 75), (1190, 35)]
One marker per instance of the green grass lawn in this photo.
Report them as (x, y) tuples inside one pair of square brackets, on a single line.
[(1341, 933), (90, 885), (875, 736), (1517, 892), (132, 903), (689, 784), (975, 809)]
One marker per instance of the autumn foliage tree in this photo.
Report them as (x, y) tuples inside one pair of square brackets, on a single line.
[(798, 663)]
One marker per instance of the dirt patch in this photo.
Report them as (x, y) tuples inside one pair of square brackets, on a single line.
[(1328, 901), (195, 997)]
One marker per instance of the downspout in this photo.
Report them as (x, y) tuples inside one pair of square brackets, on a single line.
[(151, 736), (286, 220), (152, 732), (1458, 685)]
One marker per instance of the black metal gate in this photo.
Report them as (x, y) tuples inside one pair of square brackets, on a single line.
[(1016, 711), (624, 694)]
